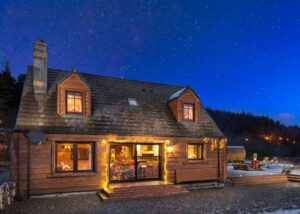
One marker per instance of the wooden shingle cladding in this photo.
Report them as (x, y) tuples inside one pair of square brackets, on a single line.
[(73, 83), (44, 179)]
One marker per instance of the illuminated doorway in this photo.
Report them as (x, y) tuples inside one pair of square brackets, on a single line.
[(133, 162)]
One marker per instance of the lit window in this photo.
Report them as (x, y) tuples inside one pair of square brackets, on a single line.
[(132, 102), (74, 157), (74, 102), (188, 112), (195, 151)]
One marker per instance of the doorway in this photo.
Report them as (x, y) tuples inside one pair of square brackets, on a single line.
[(134, 162)]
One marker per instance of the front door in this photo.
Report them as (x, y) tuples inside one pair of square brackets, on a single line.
[(133, 162)]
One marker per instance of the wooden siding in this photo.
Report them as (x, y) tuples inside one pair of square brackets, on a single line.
[(75, 84), (44, 180), (176, 105)]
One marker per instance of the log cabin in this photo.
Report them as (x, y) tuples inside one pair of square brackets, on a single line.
[(92, 132)]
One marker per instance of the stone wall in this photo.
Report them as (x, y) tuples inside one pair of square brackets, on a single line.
[(7, 194)]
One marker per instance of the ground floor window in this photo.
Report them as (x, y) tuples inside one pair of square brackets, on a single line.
[(195, 151), (72, 157)]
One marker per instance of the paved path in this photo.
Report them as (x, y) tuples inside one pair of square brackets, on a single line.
[(241, 199)]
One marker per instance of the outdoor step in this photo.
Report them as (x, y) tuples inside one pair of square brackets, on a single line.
[(141, 191), (132, 188), (147, 189), (144, 192), (144, 196)]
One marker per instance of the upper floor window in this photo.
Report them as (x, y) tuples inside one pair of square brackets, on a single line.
[(74, 102), (188, 111), (195, 151)]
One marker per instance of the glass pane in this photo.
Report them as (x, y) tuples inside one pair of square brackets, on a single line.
[(64, 157), (191, 113), (78, 105), (84, 156), (188, 112), (122, 165), (74, 102), (192, 151), (70, 104), (147, 161)]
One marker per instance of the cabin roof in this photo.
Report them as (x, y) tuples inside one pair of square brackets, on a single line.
[(111, 113)]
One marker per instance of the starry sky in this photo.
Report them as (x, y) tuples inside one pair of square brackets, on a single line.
[(238, 55)]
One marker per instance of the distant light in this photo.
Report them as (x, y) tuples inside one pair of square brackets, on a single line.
[(246, 139), (294, 142), (132, 102), (280, 138)]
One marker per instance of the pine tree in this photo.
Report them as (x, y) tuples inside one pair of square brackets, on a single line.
[(7, 86)]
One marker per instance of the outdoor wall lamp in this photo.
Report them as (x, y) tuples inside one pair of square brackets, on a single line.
[(170, 148)]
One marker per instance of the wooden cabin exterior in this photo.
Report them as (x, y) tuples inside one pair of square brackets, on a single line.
[(102, 130)]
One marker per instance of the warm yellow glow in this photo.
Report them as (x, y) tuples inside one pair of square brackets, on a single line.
[(133, 139), (130, 139), (165, 161), (214, 144), (138, 149), (104, 162), (170, 149)]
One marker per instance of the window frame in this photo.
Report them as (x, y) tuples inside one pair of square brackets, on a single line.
[(75, 157), (193, 108), (82, 102), (197, 146)]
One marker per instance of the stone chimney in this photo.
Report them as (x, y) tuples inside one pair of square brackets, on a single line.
[(40, 67)]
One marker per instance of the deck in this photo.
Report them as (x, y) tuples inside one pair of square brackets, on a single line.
[(263, 179)]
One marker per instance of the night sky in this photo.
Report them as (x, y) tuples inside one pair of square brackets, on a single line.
[(238, 55)]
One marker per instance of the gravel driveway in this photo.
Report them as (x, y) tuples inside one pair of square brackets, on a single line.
[(241, 199)]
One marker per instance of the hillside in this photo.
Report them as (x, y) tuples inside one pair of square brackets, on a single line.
[(259, 134)]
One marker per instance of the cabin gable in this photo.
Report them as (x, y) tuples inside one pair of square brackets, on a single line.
[(73, 83)]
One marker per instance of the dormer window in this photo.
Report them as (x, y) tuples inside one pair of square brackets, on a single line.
[(74, 102), (188, 111), (132, 102)]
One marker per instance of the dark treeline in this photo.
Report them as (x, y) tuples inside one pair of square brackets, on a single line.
[(10, 94), (259, 134)]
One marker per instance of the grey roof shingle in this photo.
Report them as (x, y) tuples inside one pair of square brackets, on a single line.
[(111, 113)]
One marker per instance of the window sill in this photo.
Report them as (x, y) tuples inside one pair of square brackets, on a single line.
[(72, 174), (72, 116), (195, 162)]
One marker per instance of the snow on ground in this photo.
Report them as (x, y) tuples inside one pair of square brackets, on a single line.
[(271, 169), (295, 211)]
